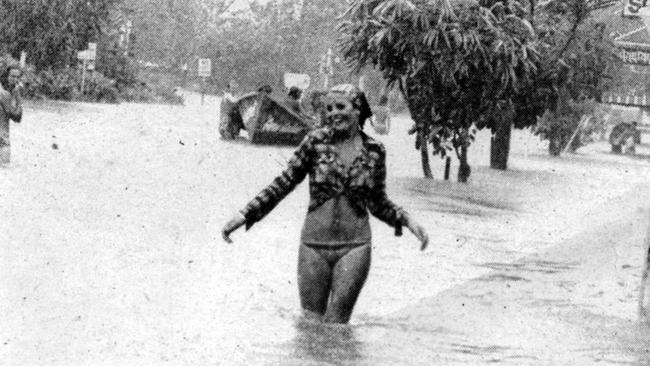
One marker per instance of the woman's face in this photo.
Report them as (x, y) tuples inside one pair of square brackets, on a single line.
[(341, 115)]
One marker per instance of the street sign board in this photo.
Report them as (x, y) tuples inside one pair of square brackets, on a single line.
[(205, 67), (86, 55), (92, 50), (301, 81), (634, 57), (636, 8)]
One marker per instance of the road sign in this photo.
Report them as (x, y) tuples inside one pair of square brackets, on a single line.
[(89, 54), (301, 81), (92, 50), (205, 67), (637, 8)]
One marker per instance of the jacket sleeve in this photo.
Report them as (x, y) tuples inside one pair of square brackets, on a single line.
[(379, 204), (282, 185)]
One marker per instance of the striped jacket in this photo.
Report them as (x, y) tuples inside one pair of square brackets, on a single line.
[(363, 182)]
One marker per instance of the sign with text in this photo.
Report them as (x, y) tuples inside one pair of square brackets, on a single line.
[(301, 81), (92, 49), (636, 8), (89, 54), (634, 57), (205, 67), (84, 55)]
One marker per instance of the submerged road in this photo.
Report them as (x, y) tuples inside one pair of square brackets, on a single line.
[(111, 252)]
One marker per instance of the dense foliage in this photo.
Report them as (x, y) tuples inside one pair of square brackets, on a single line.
[(579, 65), (458, 64), (51, 32), (566, 125)]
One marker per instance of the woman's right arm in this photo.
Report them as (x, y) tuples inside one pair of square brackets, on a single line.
[(269, 197), (282, 185)]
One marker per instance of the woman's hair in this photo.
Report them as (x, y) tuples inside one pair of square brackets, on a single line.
[(361, 103)]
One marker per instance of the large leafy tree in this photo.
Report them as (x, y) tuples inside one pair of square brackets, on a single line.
[(459, 65), (278, 37), (578, 63), (172, 33)]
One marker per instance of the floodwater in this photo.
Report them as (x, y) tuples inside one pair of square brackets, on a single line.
[(114, 254)]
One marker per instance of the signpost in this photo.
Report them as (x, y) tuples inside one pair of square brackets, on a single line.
[(23, 60), (326, 68), (88, 58), (205, 71)]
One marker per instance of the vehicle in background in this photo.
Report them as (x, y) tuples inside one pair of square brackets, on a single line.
[(265, 120)]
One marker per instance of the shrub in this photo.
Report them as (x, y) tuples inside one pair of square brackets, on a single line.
[(60, 85), (99, 88), (558, 127), (65, 84)]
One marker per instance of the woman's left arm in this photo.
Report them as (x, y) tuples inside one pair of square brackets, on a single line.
[(387, 211)]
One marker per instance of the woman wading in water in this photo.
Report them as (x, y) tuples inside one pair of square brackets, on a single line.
[(347, 174)]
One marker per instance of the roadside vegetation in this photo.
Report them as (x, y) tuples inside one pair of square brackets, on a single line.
[(455, 67)]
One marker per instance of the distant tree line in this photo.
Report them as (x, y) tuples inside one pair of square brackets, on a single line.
[(459, 65), (51, 32), (166, 38)]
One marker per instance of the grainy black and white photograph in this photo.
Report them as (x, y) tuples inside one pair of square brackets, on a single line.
[(324, 182)]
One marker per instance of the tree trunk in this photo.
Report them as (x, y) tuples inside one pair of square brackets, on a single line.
[(464, 169), (555, 145), (424, 154), (500, 145)]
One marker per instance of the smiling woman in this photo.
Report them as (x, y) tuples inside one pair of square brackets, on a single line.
[(347, 173)]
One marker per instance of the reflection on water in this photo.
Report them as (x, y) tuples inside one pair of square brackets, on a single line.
[(328, 343)]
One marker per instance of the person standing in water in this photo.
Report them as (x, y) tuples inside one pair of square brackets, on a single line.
[(347, 174), (292, 100), (10, 108)]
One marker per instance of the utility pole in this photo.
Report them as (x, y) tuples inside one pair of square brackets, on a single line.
[(205, 71), (327, 68)]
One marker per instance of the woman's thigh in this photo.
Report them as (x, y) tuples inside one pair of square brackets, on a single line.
[(314, 279), (348, 277)]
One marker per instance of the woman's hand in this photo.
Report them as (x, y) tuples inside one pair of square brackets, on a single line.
[(418, 231), (233, 224)]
